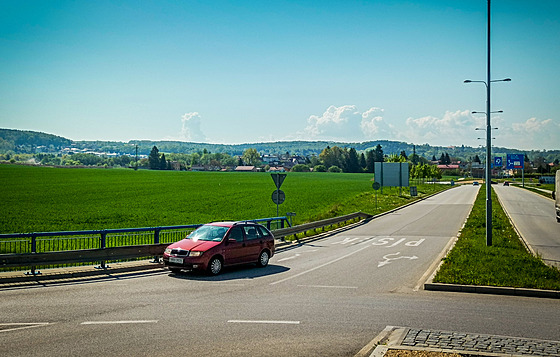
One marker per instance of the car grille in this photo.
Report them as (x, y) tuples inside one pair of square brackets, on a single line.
[(180, 252)]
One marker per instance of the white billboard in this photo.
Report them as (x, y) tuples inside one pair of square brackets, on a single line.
[(392, 174)]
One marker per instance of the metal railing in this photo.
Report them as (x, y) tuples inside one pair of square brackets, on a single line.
[(52, 249), (49, 249)]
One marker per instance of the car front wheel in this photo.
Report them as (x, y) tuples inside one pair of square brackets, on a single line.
[(263, 259), (215, 266)]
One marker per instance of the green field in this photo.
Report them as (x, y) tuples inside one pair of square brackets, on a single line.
[(43, 199)]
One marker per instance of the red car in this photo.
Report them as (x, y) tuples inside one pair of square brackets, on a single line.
[(216, 245)]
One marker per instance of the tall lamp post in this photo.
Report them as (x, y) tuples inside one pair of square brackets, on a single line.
[(488, 136)]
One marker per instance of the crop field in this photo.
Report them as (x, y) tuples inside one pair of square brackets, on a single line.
[(43, 199)]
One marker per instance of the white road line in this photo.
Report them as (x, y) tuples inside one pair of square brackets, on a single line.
[(21, 325), (319, 266), (329, 286), (119, 322), (264, 322)]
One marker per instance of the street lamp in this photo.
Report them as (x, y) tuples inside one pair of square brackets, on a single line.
[(488, 134), (488, 177)]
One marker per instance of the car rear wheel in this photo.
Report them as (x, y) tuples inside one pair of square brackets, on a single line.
[(215, 266), (263, 259)]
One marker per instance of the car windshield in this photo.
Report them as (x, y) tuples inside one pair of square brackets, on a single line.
[(208, 233)]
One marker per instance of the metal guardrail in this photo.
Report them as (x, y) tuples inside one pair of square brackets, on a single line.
[(285, 232), (112, 244)]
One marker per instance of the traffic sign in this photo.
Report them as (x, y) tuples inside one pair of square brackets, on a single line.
[(515, 161), (278, 179), (498, 161), (278, 197), (376, 186)]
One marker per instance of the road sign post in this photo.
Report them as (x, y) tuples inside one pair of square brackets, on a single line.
[(278, 196), (516, 162)]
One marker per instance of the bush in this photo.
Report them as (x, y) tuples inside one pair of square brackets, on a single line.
[(320, 168), (335, 169), (300, 168)]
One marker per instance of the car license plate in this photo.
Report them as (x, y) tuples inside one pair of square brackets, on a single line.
[(176, 260)]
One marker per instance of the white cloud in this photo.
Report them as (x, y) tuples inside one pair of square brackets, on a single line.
[(347, 123), (190, 130), (454, 128), (533, 134)]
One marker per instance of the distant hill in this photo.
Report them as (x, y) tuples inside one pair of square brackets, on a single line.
[(29, 142)]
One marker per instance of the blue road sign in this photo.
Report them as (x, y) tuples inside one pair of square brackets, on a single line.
[(515, 161), (498, 161)]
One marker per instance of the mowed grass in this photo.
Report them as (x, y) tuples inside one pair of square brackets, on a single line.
[(44, 199), (505, 263)]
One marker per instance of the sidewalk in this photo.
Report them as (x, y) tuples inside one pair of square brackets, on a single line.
[(395, 341)]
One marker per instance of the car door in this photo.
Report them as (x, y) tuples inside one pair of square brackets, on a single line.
[(253, 243), (235, 249)]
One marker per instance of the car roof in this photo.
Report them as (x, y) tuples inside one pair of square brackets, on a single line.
[(231, 223)]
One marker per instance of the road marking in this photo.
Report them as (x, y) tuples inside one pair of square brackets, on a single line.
[(5, 327), (264, 322), (329, 286), (319, 266), (119, 322), (289, 258), (388, 260)]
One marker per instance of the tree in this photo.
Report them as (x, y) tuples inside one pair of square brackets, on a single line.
[(363, 164), (320, 168), (153, 159), (403, 154), (353, 162), (300, 168), (251, 157), (378, 154), (476, 159), (163, 162), (369, 161)]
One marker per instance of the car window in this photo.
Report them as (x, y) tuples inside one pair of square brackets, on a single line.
[(209, 233), (251, 232), (263, 232), (236, 233)]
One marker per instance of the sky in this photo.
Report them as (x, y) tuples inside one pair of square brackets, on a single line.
[(258, 71)]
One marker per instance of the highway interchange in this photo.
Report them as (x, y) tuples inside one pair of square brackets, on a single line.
[(326, 297)]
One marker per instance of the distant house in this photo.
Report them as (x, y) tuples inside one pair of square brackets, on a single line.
[(277, 169), (448, 167), (245, 169)]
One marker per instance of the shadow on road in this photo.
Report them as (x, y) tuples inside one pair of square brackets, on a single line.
[(232, 273)]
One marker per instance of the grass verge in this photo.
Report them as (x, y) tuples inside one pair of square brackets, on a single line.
[(506, 263)]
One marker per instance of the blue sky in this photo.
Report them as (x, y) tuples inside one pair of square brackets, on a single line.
[(252, 71)]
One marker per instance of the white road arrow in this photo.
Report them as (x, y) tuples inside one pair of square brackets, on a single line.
[(388, 258), (289, 258)]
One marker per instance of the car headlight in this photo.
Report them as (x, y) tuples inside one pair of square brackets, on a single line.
[(195, 254), (167, 251)]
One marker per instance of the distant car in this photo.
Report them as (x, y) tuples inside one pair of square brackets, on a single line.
[(216, 245), (506, 183), (475, 183)]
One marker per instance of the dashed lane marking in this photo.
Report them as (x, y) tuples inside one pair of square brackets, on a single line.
[(5, 327), (281, 322), (119, 322)]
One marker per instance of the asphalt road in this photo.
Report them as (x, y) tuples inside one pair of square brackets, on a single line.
[(535, 218), (328, 297)]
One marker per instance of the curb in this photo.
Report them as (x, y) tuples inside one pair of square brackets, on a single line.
[(495, 290)]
